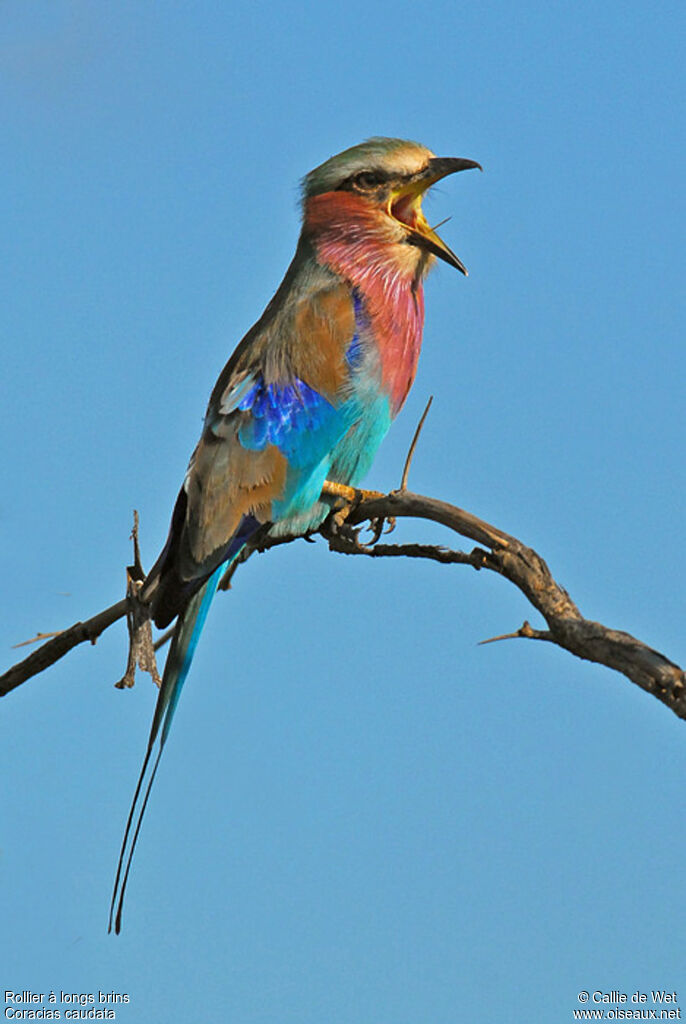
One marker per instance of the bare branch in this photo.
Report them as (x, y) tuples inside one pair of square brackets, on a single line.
[(432, 552), (406, 504), (523, 567), (498, 552), (60, 645)]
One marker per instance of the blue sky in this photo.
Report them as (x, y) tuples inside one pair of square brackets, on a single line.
[(361, 815)]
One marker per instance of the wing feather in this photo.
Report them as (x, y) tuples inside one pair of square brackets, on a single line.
[(264, 431)]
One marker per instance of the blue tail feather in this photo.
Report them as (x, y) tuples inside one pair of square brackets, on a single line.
[(186, 635), (189, 626)]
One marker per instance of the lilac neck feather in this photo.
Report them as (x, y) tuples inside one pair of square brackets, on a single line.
[(368, 249)]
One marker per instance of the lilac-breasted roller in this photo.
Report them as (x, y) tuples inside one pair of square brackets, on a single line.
[(304, 401)]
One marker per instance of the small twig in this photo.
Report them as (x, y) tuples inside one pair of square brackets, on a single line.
[(525, 630), (138, 573), (410, 454), (36, 638), (347, 543)]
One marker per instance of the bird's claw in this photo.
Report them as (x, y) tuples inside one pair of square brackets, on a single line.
[(336, 528), (378, 527)]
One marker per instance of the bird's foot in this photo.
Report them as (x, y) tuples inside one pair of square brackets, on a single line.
[(351, 495), (351, 498)]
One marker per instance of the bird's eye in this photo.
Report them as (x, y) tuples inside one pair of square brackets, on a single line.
[(368, 179)]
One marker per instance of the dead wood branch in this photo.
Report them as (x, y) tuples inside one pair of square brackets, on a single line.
[(60, 645), (498, 552)]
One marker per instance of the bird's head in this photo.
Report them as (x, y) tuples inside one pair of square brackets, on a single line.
[(381, 182)]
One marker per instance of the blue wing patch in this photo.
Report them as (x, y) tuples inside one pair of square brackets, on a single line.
[(295, 418)]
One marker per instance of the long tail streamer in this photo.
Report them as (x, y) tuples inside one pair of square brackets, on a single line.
[(188, 629)]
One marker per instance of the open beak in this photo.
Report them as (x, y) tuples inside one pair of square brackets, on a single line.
[(406, 206)]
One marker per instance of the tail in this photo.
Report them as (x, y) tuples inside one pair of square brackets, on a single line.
[(189, 626)]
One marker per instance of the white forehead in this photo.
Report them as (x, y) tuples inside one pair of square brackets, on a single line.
[(394, 156)]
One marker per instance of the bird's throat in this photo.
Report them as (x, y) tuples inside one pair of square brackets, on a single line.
[(370, 252)]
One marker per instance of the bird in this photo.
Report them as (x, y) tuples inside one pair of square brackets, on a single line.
[(298, 412)]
